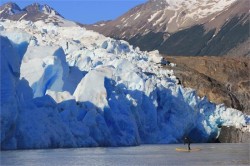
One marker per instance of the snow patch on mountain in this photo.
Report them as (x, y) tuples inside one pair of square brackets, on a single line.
[(76, 88), (192, 9), (167, 16)]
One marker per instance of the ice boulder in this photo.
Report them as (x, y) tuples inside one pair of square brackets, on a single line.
[(84, 64), (60, 96), (116, 46), (45, 68), (154, 56), (92, 87), (128, 74)]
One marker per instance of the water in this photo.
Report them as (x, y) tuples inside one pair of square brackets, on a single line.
[(211, 154)]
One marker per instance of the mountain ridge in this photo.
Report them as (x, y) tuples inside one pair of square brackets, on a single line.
[(34, 12), (196, 38)]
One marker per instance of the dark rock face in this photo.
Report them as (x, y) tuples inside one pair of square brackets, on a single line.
[(233, 33), (187, 42), (222, 79), (196, 41), (233, 135), (156, 39)]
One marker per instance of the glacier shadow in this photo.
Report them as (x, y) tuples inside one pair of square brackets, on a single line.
[(165, 123)]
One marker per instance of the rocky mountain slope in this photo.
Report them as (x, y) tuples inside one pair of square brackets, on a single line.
[(192, 28), (221, 79), (233, 135)]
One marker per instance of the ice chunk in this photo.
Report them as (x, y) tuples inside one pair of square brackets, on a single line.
[(92, 88), (44, 68), (116, 46), (60, 96), (19, 39), (154, 56)]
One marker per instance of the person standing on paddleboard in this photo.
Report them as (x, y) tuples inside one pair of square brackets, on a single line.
[(187, 141)]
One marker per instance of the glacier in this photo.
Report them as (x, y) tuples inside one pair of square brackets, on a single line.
[(64, 87)]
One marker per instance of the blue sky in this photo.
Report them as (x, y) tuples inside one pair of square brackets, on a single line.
[(85, 11)]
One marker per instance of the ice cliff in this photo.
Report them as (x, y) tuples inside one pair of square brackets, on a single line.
[(69, 87)]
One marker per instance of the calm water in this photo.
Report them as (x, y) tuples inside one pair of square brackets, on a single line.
[(211, 154)]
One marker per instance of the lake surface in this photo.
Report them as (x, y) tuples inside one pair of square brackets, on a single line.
[(211, 154)]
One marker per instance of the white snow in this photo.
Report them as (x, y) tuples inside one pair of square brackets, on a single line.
[(153, 16), (161, 19), (154, 56), (183, 13), (214, 5), (70, 87), (137, 16), (172, 64), (25, 14), (194, 5), (173, 17)]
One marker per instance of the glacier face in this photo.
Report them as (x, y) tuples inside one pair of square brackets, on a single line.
[(69, 87), (49, 68)]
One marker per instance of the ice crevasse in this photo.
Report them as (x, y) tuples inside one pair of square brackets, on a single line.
[(70, 87)]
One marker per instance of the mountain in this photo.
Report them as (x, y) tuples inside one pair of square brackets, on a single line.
[(67, 87), (192, 28), (34, 12)]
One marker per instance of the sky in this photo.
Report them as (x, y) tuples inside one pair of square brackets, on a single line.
[(85, 11)]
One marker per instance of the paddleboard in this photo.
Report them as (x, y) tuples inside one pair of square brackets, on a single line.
[(186, 150)]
